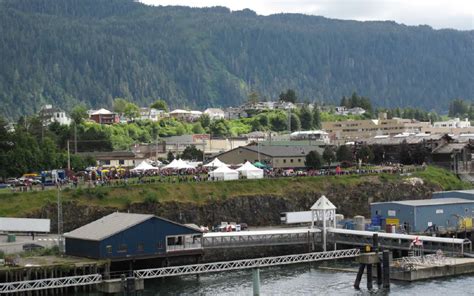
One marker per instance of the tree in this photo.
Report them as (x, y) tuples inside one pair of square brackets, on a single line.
[(313, 160), (119, 105), (78, 114), (379, 153), (205, 120), (295, 122), (306, 118), (316, 118), (328, 155), (279, 122), (420, 154), (365, 154), (198, 129), (458, 108), (131, 111), (253, 98), (288, 96), (160, 105), (343, 153), (170, 156), (192, 153), (220, 128), (404, 154)]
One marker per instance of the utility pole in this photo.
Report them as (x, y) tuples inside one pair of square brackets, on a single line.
[(289, 121), (60, 222), (75, 138), (156, 149), (68, 157)]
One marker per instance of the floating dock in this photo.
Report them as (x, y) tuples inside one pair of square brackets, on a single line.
[(452, 267)]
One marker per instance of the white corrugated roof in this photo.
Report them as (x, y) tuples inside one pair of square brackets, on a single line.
[(107, 226), (25, 225), (429, 202)]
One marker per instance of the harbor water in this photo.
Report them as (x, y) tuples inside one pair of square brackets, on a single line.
[(302, 279)]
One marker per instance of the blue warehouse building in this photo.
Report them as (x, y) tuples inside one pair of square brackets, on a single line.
[(419, 215), (122, 236)]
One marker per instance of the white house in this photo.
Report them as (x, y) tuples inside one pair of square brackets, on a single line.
[(453, 123), (49, 114), (215, 113), (151, 114)]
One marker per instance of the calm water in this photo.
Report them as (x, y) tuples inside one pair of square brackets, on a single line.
[(300, 280)]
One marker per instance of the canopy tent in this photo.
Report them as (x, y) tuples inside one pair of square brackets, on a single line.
[(178, 165), (260, 165), (224, 173), (249, 171), (144, 167), (215, 163), (171, 165)]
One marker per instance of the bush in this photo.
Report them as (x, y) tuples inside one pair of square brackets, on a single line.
[(150, 198)]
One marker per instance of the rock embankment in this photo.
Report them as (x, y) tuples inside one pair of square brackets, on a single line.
[(255, 210)]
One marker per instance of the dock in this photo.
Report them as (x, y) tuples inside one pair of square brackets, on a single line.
[(451, 267)]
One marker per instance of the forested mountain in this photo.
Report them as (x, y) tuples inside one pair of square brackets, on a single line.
[(91, 51)]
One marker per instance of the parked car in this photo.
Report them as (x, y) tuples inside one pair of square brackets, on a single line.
[(12, 181)]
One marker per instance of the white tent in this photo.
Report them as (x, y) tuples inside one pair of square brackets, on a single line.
[(250, 171), (224, 173), (178, 165), (184, 165), (215, 163), (143, 167)]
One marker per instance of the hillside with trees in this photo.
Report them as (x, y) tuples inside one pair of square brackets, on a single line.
[(92, 51)]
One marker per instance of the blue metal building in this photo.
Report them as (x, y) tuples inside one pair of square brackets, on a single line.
[(466, 194), (121, 236), (419, 215)]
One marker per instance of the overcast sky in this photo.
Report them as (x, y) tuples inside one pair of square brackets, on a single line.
[(457, 14)]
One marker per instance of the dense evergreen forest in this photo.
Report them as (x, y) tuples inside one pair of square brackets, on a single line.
[(91, 51)]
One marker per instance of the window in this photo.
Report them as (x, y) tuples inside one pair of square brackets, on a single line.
[(122, 248), (284, 160), (107, 162), (299, 159), (140, 247), (291, 160), (121, 161), (108, 249)]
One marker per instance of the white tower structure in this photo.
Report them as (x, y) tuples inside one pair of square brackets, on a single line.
[(323, 210)]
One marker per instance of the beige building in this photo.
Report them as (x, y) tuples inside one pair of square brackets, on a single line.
[(351, 130), (274, 156)]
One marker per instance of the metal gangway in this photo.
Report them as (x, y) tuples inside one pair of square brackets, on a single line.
[(92, 279), (50, 283), (398, 241), (254, 238), (244, 264)]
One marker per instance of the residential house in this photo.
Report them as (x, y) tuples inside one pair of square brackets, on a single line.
[(49, 114), (104, 116), (151, 114), (215, 113), (185, 115)]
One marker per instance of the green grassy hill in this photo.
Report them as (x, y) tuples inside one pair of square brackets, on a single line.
[(122, 197)]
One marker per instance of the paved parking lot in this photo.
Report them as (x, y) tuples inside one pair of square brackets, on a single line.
[(46, 241)]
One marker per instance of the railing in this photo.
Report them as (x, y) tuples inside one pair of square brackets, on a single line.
[(243, 264), (43, 284), (175, 248), (252, 240)]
